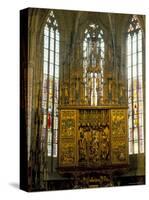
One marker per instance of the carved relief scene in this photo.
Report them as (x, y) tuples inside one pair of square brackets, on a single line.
[(93, 138)]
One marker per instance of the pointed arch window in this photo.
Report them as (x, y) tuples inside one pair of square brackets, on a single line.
[(93, 61), (50, 87), (135, 87)]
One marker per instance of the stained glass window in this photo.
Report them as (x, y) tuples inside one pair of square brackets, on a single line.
[(93, 61), (50, 88), (135, 87)]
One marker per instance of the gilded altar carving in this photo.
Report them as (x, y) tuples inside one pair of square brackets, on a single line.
[(67, 143), (119, 152), (118, 118), (68, 124), (119, 140), (94, 88), (88, 146), (68, 127), (93, 137), (94, 180), (105, 144), (67, 155)]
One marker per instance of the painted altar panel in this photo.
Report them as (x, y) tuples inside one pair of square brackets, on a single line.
[(67, 154), (67, 138), (119, 136)]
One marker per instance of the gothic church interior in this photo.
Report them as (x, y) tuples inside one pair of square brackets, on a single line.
[(82, 99)]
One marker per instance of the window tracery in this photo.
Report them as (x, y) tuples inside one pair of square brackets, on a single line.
[(50, 87), (135, 87)]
